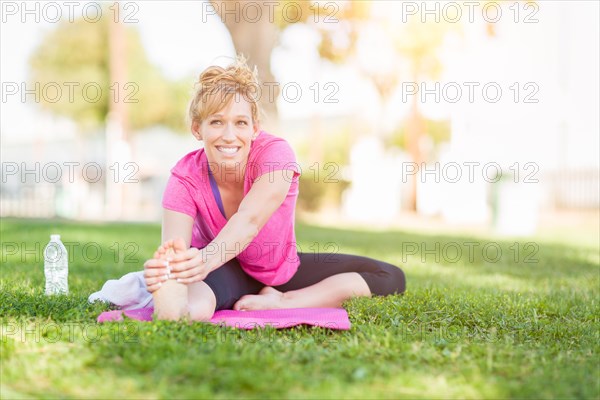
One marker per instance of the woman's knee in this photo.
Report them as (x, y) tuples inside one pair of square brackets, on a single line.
[(201, 302), (201, 311), (389, 279), (399, 279)]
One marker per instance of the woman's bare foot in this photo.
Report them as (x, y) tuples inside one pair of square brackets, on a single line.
[(268, 298), (171, 300), (171, 247)]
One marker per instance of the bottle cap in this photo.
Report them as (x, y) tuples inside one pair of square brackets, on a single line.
[(55, 237)]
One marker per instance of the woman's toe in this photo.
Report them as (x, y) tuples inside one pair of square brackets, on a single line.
[(240, 305)]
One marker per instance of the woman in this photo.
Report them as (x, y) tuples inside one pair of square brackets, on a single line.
[(228, 224)]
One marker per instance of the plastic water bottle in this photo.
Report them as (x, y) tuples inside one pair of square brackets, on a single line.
[(56, 267)]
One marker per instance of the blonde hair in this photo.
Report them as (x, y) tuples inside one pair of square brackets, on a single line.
[(217, 86)]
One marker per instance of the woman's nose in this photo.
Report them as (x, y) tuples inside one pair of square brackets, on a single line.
[(229, 134)]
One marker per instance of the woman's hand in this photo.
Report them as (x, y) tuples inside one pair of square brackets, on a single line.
[(172, 260), (155, 272), (189, 266)]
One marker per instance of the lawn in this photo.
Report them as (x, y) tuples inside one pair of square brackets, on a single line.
[(481, 318)]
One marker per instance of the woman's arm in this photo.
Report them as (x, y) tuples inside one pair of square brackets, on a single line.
[(177, 225), (174, 225), (266, 195)]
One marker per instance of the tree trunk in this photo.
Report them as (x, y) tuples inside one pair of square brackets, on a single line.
[(414, 131), (255, 39), (118, 74), (116, 126)]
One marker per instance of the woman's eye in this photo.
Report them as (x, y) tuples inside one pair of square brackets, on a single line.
[(216, 121), (242, 122)]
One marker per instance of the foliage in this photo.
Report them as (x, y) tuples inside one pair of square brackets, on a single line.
[(323, 183), (314, 194), (77, 53), (437, 130), (419, 43), (336, 22), (464, 329)]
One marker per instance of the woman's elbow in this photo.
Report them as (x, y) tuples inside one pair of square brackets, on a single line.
[(248, 223)]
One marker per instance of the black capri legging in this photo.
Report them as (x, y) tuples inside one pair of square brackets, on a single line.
[(229, 282)]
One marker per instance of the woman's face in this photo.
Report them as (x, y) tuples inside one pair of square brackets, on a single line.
[(228, 134)]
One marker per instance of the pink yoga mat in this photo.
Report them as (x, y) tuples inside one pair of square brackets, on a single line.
[(332, 318)]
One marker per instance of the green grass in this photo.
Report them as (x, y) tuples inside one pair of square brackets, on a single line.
[(523, 325)]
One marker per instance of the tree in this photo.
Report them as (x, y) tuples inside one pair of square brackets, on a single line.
[(256, 38), (106, 82), (75, 59), (418, 43)]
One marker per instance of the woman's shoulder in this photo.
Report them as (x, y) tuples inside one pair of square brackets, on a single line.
[(268, 142), (192, 161), (271, 153)]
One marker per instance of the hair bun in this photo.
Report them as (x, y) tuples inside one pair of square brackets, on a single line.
[(223, 82)]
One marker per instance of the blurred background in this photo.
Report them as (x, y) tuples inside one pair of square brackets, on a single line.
[(437, 116)]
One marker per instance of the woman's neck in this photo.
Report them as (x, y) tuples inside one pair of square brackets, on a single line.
[(229, 178)]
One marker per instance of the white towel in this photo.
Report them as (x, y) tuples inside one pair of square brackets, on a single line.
[(128, 293)]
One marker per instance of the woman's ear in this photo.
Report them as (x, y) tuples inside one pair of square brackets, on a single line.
[(196, 130), (256, 129)]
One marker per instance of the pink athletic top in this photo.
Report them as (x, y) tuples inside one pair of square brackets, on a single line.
[(271, 257)]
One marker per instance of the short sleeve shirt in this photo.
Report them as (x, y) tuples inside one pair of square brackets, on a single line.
[(271, 257)]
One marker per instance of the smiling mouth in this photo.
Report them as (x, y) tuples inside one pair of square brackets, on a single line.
[(228, 149)]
